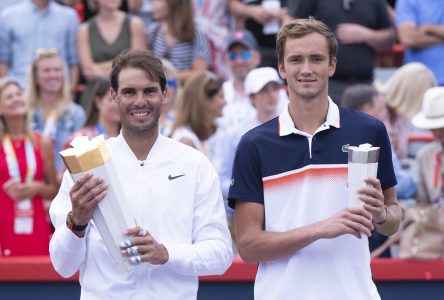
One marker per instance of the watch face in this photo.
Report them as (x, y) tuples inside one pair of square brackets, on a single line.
[(70, 223)]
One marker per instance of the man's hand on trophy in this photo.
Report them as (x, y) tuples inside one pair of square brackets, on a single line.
[(85, 194), (142, 247)]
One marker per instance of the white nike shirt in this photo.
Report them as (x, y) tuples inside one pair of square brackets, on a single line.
[(185, 213)]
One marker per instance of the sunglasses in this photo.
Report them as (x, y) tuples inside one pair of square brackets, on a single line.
[(42, 52), (171, 83), (245, 55)]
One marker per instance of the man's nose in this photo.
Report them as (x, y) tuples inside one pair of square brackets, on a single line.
[(140, 97), (306, 67)]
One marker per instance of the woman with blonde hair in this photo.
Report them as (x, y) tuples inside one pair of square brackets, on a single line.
[(48, 94), (199, 105), (27, 177), (176, 37), (403, 93)]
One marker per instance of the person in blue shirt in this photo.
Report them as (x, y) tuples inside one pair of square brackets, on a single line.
[(420, 25), (37, 24)]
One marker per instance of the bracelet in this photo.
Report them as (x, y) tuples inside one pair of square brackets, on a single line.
[(71, 223), (382, 222)]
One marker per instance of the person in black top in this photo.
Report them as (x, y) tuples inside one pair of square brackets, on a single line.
[(361, 27)]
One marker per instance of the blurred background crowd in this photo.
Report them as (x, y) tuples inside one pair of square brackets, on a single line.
[(220, 60)]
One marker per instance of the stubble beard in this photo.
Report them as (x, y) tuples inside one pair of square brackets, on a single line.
[(145, 130)]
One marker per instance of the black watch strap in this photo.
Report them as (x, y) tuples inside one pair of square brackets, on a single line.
[(71, 223)]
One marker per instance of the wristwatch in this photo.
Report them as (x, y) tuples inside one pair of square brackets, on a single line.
[(71, 223)]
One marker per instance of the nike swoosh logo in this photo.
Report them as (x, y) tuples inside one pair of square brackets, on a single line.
[(175, 177)]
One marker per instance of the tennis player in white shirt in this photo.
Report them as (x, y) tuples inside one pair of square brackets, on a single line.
[(173, 192)]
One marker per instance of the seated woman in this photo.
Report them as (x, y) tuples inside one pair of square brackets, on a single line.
[(53, 112), (104, 36), (27, 177), (403, 94), (103, 116), (429, 159), (176, 37), (198, 107)]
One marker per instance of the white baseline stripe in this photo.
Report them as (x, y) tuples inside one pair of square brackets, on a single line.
[(307, 167)]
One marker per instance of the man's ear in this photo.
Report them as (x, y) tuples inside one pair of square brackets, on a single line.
[(165, 93), (113, 94), (282, 72), (332, 67)]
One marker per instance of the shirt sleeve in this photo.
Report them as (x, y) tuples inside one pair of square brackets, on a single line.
[(78, 116), (201, 47), (71, 49), (404, 12), (67, 251), (211, 251), (5, 40), (406, 187), (386, 174), (246, 181)]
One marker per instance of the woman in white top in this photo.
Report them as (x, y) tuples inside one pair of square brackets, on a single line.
[(198, 107)]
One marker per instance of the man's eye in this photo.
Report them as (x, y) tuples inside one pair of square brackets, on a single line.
[(149, 92), (128, 92)]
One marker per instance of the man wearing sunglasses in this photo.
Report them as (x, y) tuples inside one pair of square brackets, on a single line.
[(242, 57)]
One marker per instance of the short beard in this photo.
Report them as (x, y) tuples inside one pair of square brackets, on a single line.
[(153, 126)]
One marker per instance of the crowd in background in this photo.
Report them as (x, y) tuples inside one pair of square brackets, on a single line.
[(222, 71)]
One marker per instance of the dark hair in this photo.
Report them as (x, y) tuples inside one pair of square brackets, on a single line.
[(100, 89), (358, 95), (300, 28), (141, 59)]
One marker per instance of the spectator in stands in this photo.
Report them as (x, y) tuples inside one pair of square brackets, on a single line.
[(420, 25), (198, 107), (48, 94), (32, 25), (102, 38), (403, 93), (242, 57), (103, 117), (289, 183), (27, 177), (89, 11), (263, 86), (142, 9), (263, 18), (6, 3), (366, 98), (212, 17), (429, 159), (361, 27), (166, 119), (176, 37)]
